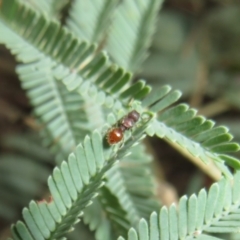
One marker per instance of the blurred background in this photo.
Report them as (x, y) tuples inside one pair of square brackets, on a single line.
[(195, 49)]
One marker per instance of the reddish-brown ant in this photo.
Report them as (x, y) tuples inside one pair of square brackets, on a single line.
[(115, 135)]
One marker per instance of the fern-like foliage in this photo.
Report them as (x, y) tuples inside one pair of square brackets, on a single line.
[(131, 182), (89, 20), (69, 192), (61, 75), (19, 173), (66, 122), (130, 25), (71, 61), (59, 110), (49, 7), (135, 186), (180, 125), (97, 221), (115, 213), (65, 126), (72, 187), (131, 31), (217, 211), (62, 53), (40, 72)]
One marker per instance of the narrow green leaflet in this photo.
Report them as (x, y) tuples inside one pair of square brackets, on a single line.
[(124, 28), (106, 217), (67, 116), (50, 7), (65, 126), (72, 186), (131, 32), (36, 40), (217, 211), (90, 20), (115, 213), (135, 187), (181, 125)]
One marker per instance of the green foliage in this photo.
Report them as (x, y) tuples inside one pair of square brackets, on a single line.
[(131, 31), (72, 86), (20, 164), (197, 217), (131, 182), (72, 186), (135, 184), (115, 213), (180, 125), (90, 22), (130, 25), (74, 82), (70, 60), (57, 109), (186, 52), (50, 7)]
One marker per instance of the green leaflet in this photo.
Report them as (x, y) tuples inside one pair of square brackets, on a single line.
[(57, 108), (115, 214), (72, 186), (98, 13), (67, 116), (130, 25), (36, 40), (131, 32), (51, 7), (180, 125), (89, 20), (135, 186), (83, 71), (130, 180), (198, 216)]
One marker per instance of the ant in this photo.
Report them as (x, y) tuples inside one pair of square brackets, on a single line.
[(115, 135)]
